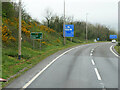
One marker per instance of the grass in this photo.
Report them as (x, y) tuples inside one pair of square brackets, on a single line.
[(117, 48)]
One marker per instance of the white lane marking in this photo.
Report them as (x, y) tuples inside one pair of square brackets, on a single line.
[(93, 62), (27, 84), (91, 54), (113, 51), (92, 51), (97, 73)]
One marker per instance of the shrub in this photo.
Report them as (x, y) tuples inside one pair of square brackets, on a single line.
[(6, 35)]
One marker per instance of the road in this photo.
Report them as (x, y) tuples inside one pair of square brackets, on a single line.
[(86, 66)]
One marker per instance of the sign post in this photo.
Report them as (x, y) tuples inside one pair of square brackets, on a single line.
[(36, 36), (19, 41), (64, 24), (40, 45), (71, 39), (33, 43)]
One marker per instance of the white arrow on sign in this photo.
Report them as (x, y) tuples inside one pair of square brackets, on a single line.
[(68, 26)]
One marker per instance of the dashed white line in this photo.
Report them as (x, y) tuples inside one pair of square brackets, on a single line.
[(113, 51), (92, 51), (97, 73), (91, 54), (93, 62)]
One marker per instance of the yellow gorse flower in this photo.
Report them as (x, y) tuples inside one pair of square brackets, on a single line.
[(6, 35), (58, 41), (42, 27)]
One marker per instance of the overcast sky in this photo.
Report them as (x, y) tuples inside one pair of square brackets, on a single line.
[(104, 12)]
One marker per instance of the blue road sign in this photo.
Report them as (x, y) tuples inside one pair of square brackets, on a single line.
[(69, 31), (113, 36), (98, 39)]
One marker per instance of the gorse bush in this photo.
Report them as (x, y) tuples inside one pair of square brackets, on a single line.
[(27, 28), (6, 35)]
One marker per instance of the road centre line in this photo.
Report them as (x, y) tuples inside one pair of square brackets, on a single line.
[(91, 51), (97, 73), (91, 54), (93, 62)]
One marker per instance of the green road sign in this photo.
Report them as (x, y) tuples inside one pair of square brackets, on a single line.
[(36, 35)]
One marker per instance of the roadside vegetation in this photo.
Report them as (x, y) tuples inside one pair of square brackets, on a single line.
[(52, 41), (117, 48)]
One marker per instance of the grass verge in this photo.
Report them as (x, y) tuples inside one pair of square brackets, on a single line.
[(117, 48)]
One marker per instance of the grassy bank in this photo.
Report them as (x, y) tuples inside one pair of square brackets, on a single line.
[(117, 48)]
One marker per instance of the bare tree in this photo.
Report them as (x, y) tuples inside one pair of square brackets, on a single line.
[(48, 16), (70, 19)]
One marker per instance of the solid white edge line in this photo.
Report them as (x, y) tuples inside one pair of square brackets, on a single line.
[(113, 51), (93, 62), (97, 73), (27, 84)]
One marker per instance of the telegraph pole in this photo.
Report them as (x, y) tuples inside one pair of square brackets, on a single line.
[(64, 24), (19, 43), (86, 26)]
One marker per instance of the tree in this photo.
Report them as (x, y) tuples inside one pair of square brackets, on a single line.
[(8, 10), (48, 16)]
